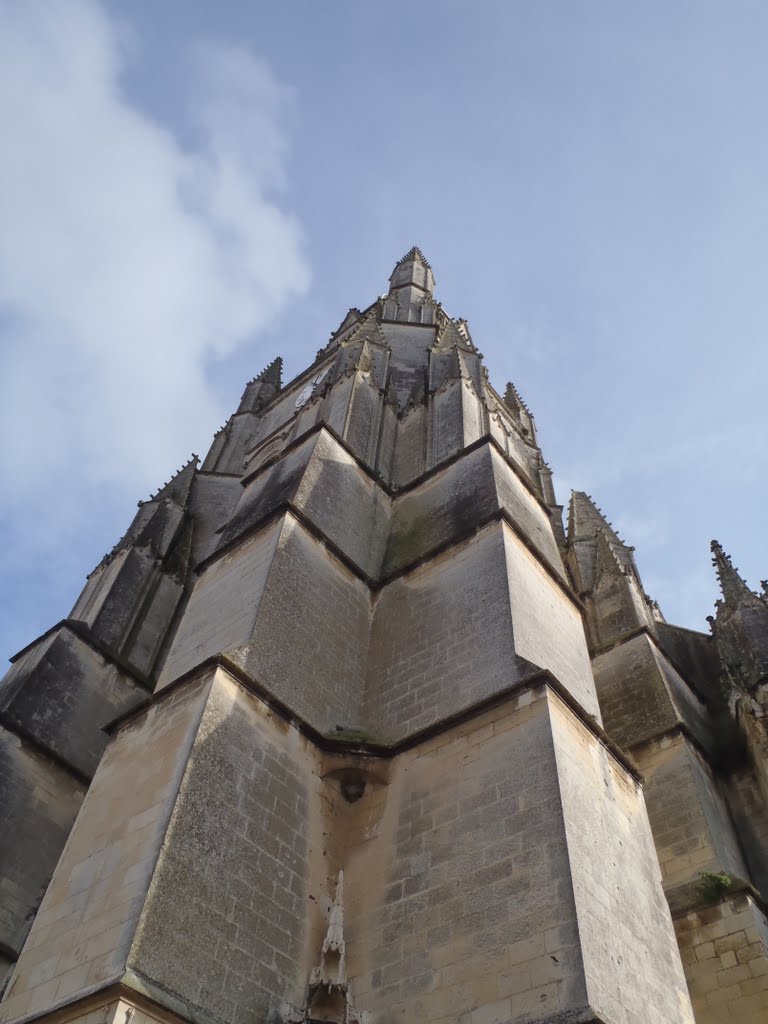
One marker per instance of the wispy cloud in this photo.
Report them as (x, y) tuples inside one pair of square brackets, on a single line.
[(128, 258)]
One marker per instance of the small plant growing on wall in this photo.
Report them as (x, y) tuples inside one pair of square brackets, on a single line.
[(713, 885)]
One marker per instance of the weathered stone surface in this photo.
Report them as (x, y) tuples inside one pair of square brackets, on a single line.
[(633, 969), (237, 847), (689, 818), (642, 696), (224, 605), (62, 693), (693, 653), (441, 638), (725, 952), (398, 691), (86, 923), (309, 641), (547, 624), (38, 803)]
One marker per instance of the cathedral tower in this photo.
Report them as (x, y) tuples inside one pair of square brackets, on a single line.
[(338, 731)]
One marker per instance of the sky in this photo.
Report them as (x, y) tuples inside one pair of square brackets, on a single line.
[(188, 189)]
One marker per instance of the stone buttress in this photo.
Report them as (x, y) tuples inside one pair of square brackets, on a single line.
[(690, 708), (328, 724)]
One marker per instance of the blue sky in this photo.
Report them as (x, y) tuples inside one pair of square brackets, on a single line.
[(188, 189)]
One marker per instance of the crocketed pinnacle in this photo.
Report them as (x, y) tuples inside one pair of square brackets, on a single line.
[(733, 587), (272, 374), (178, 487), (415, 253), (512, 398), (586, 520)]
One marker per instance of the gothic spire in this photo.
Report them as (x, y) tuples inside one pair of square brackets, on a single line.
[(733, 587)]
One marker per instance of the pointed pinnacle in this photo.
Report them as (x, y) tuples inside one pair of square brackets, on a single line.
[(512, 397), (585, 518), (177, 487), (607, 557), (733, 587), (414, 253), (272, 374)]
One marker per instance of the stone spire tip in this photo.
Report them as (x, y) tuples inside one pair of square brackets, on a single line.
[(412, 271), (415, 255)]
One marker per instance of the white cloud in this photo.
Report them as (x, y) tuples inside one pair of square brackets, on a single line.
[(127, 258)]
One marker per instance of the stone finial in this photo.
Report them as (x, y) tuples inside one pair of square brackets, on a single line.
[(412, 271)]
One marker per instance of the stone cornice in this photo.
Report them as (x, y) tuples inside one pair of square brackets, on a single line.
[(331, 744)]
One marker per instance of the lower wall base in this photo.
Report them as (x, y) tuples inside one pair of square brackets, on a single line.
[(725, 955)]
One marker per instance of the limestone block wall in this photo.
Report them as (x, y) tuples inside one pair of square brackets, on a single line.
[(691, 824), (120, 600), (39, 801), (223, 926), (546, 623), (61, 693), (449, 503), (345, 504), (749, 810), (642, 696), (441, 638), (480, 890), (439, 509), (448, 421), (54, 703), (526, 511), (725, 950), (321, 480), (616, 605), (213, 500), (291, 615), (633, 968), (470, 877), (83, 931), (337, 404), (309, 642), (224, 604), (266, 489), (389, 661), (127, 1007), (361, 429), (410, 448), (465, 908)]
